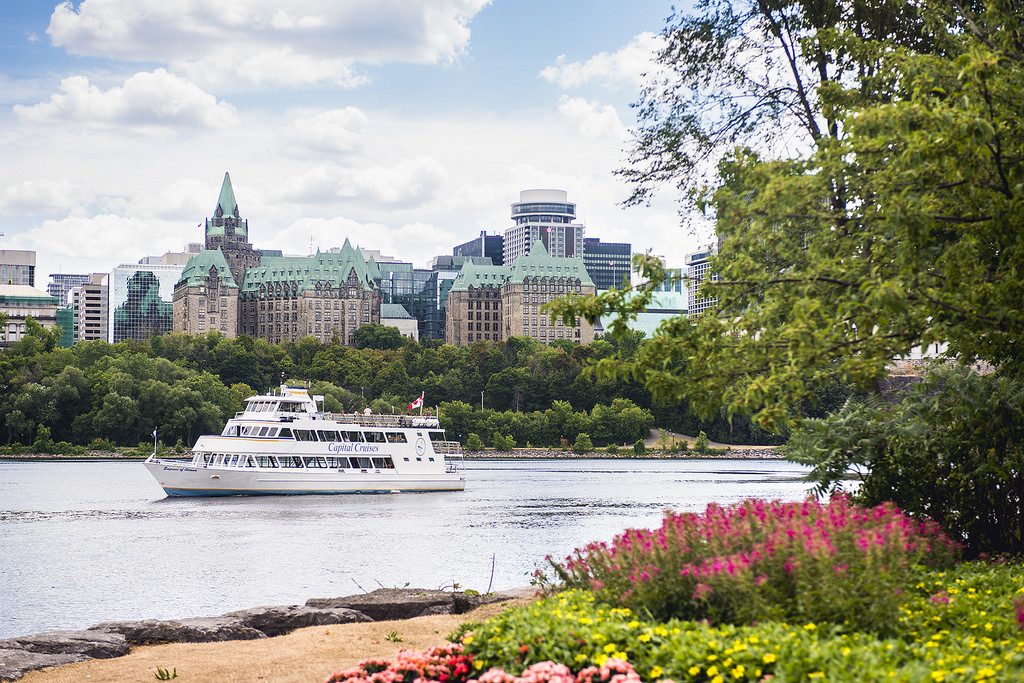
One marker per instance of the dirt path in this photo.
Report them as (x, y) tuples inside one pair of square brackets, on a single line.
[(309, 654)]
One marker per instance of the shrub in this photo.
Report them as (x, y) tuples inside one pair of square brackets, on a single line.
[(639, 448), (765, 560), (474, 442), (502, 442), (583, 444), (967, 638), (702, 443), (612, 450), (681, 446), (952, 449)]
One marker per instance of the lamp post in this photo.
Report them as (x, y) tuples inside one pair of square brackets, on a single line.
[(481, 400)]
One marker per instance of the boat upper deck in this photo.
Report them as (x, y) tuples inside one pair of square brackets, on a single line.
[(294, 403)]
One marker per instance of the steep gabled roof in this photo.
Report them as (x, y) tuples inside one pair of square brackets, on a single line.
[(304, 272), (539, 263), (473, 275), (226, 203), (197, 270)]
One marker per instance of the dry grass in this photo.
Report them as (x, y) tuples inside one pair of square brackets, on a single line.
[(309, 654)]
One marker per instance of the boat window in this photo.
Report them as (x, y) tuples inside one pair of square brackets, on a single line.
[(249, 461), (431, 459), (337, 463), (326, 435), (207, 459), (375, 437), (383, 463), (296, 461), (264, 431), (230, 430), (234, 461), (286, 433), (302, 435), (316, 462), (353, 436), (396, 437), (266, 461), (273, 432), (362, 463)]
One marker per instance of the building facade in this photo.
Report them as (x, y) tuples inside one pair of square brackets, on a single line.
[(395, 315), (205, 297), (484, 246), (229, 232), (90, 303), (495, 303), (20, 302), (62, 283), (327, 296), (17, 267), (697, 265), (141, 300), (546, 216), (609, 264)]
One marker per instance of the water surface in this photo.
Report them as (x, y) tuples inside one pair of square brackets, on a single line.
[(95, 541)]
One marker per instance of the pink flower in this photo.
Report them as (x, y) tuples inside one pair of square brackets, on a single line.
[(701, 591)]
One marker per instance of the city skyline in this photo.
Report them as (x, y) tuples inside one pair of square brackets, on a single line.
[(410, 138)]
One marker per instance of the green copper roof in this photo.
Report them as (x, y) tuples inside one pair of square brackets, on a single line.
[(197, 270), (226, 201), (538, 263), (394, 312), (304, 272), (473, 275)]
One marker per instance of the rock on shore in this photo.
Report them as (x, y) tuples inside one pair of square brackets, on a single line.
[(384, 604), (22, 654)]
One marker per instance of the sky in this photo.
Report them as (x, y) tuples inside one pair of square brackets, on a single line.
[(407, 126)]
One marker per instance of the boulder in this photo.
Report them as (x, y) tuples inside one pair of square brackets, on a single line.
[(192, 630), (386, 604), (16, 662), (93, 644), (280, 619)]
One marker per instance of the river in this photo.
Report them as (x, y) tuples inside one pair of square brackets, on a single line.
[(95, 541)]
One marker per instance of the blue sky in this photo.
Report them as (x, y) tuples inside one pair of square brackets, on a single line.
[(407, 126)]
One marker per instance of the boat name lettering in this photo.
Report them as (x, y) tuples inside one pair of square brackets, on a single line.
[(180, 469), (352, 448)]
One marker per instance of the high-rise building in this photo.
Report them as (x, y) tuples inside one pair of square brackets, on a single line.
[(229, 232), (141, 300), (609, 264), (546, 216), (173, 258), (497, 302), (21, 302), (17, 267), (490, 246), (697, 265), (61, 283), (89, 301)]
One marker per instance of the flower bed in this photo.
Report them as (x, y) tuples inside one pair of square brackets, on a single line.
[(759, 560)]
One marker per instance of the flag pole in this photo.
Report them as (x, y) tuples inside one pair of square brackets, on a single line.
[(421, 402)]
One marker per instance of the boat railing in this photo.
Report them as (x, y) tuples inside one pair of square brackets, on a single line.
[(383, 420), (447, 447)]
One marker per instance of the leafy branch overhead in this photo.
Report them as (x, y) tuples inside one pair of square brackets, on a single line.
[(900, 226)]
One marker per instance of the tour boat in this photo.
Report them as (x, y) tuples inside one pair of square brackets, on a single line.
[(282, 443)]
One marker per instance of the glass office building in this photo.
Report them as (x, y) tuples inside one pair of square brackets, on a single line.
[(608, 264), (141, 300)]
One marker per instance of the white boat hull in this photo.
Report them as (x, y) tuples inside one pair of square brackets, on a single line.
[(182, 479)]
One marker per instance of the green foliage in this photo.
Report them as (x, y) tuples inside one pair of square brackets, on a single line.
[(702, 443), (900, 227), (963, 639), (639, 447), (376, 336), (474, 442), (583, 444), (612, 449), (393, 637), (952, 449), (502, 442), (163, 674)]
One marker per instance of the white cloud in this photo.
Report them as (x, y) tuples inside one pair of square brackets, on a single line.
[(333, 131), (408, 182), (401, 240), (146, 99), (44, 195), (251, 42), (32, 36), (626, 66), (592, 119)]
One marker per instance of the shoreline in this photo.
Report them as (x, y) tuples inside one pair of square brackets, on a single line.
[(733, 453)]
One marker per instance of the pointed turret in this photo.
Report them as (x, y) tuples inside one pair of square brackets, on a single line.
[(226, 204)]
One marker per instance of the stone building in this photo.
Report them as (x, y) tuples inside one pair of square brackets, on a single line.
[(229, 232), (473, 311), (497, 302), (20, 302), (206, 296), (327, 296)]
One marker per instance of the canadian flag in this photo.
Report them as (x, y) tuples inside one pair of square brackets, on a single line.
[(418, 403)]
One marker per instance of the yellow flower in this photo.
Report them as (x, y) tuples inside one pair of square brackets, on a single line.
[(938, 676), (633, 624), (479, 664), (809, 627), (769, 658), (660, 631), (712, 670), (752, 640), (656, 672), (845, 651), (712, 657), (581, 657), (467, 639), (986, 672), (816, 674), (644, 637), (718, 679), (600, 659), (610, 647), (988, 626), (693, 670), (738, 671)]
